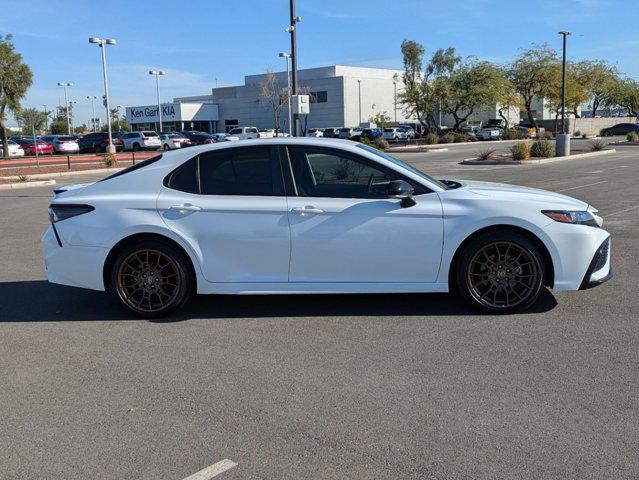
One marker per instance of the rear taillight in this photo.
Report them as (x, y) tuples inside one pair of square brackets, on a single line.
[(59, 211), (106, 140)]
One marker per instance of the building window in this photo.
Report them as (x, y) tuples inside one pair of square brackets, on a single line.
[(318, 97), (230, 125)]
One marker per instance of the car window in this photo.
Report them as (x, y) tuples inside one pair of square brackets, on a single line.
[(184, 178), (252, 130), (64, 138), (149, 134), (235, 131), (239, 171), (329, 173)]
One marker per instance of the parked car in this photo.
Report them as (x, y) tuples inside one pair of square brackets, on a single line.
[(470, 129), (315, 132), (331, 132), (309, 215), (200, 138), (15, 149), (98, 142), (245, 133), (488, 133), (367, 133), (171, 141), (349, 132), (62, 143), (410, 131), (528, 130), (224, 137), (31, 148), (620, 129), (142, 140), (395, 134)]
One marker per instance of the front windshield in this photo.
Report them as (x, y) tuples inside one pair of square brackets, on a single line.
[(402, 164)]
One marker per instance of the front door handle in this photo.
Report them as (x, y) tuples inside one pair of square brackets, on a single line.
[(307, 210), (186, 207)]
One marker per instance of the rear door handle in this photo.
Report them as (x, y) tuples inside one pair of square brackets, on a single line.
[(186, 207), (308, 209)]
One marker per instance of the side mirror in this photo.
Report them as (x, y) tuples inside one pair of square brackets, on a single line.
[(402, 190)]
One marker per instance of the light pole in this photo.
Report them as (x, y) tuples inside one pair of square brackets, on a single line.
[(292, 30), (562, 146), (46, 119), (287, 56), (395, 99), (102, 43), (70, 107), (66, 103), (157, 74), (93, 99), (359, 93)]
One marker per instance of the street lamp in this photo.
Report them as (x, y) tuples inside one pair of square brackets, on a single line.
[(46, 118), (287, 56), (292, 30), (102, 43), (66, 103), (563, 141), (359, 92), (93, 98), (157, 74)]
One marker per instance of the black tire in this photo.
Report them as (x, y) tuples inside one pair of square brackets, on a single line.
[(136, 147), (166, 147), (481, 274), (96, 149), (167, 284)]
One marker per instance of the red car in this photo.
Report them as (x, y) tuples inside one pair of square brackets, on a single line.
[(43, 148)]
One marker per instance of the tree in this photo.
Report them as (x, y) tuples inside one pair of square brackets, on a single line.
[(59, 124), (533, 74), (468, 85), (626, 96), (31, 120), (576, 90), (600, 80), (381, 119), (15, 79), (507, 99), (272, 96)]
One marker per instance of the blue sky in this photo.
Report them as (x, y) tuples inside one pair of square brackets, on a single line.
[(197, 41)]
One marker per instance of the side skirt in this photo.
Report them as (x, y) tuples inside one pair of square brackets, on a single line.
[(287, 288)]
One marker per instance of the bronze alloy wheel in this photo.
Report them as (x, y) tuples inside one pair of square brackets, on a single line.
[(148, 281), (502, 275)]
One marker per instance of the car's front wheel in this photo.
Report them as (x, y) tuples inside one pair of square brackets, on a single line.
[(151, 278), (500, 272)]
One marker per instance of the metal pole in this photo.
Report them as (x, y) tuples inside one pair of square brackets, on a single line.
[(293, 32), (288, 83), (35, 145), (95, 129), (157, 85), (395, 99), (46, 119), (66, 102), (563, 85), (359, 93), (110, 148)]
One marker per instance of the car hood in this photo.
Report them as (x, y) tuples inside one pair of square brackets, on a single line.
[(506, 192)]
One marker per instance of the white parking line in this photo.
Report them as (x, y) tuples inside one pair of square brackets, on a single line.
[(212, 471), (582, 186), (622, 211)]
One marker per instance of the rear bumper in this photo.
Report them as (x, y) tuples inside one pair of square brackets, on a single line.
[(599, 271)]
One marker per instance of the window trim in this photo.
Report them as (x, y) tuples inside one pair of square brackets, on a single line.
[(353, 156)]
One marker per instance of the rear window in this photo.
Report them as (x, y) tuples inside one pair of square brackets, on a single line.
[(150, 134), (65, 139), (388, 130), (134, 167)]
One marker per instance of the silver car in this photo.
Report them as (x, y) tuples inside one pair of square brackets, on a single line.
[(62, 143)]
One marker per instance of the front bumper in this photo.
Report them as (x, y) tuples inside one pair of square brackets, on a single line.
[(599, 271)]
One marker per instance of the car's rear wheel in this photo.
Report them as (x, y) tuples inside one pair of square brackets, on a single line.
[(96, 149), (166, 147), (151, 278), (136, 147), (500, 272)]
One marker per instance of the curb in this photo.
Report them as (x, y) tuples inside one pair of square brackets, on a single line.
[(39, 183), (63, 174), (470, 161), (419, 149)]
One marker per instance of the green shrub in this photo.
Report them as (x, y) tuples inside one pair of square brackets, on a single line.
[(545, 135), (511, 134), (110, 160), (577, 133), (449, 138), (520, 151), (461, 137), (485, 154), (23, 178), (632, 137), (542, 149), (597, 145), (431, 138), (365, 141), (380, 143)]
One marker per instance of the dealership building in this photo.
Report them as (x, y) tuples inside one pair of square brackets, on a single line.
[(339, 95)]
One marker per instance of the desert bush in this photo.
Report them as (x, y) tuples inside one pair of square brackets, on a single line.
[(23, 178), (577, 133), (520, 151), (485, 154), (380, 143), (431, 139), (632, 137), (510, 134), (542, 149), (597, 145), (545, 135), (461, 137), (110, 160), (365, 141), (584, 135), (449, 138)]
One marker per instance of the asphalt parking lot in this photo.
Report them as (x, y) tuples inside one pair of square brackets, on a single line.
[(385, 387)]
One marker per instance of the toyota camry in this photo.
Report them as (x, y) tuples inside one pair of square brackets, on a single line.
[(315, 216)]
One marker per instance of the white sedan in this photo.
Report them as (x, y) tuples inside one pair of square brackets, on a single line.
[(15, 149), (313, 216), (488, 133)]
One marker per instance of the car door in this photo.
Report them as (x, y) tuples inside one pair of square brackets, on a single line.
[(229, 204), (345, 229)]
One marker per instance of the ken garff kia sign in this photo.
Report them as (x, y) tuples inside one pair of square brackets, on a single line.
[(149, 113)]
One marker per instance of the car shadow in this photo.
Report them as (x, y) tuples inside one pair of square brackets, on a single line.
[(40, 301)]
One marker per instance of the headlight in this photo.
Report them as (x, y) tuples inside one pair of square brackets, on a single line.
[(579, 217)]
